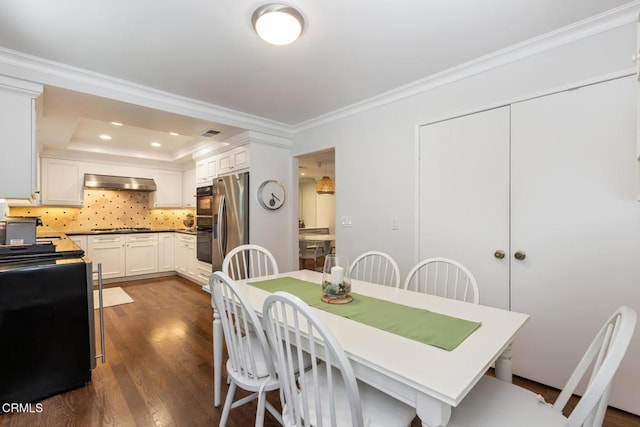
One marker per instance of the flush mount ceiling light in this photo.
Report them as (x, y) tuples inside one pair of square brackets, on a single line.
[(277, 24)]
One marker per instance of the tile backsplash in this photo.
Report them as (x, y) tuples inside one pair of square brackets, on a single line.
[(106, 209)]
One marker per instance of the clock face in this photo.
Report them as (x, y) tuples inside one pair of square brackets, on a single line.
[(271, 195)]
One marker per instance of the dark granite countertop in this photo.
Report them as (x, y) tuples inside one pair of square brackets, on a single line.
[(126, 231)]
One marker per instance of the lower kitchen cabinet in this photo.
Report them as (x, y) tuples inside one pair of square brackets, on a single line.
[(81, 241), (166, 252), (186, 262), (109, 251), (141, 253), (124, 254)]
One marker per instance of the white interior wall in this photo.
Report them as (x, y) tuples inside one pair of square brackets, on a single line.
[(376, 148), (273, 229)]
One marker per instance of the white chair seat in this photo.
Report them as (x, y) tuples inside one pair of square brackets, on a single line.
[(377, 408), (496, 403)]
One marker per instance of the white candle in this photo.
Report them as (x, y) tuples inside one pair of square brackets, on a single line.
[(337, 275)]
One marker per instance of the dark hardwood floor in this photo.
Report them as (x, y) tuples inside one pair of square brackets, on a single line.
[(159, 368)]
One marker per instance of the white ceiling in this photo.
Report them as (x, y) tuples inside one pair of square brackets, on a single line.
[(350, 51)]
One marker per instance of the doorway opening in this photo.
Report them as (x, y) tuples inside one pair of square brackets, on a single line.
[(316, 208)]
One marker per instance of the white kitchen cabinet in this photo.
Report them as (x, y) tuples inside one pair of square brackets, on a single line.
[(18, 164), (169, 192), (108, 250), (232, 161), (62, 182), (81, 241), (166, 250), (124, 254), (189, 189), (141, 251), (203, 270), (186, 261), (206, 170), (550, 180)]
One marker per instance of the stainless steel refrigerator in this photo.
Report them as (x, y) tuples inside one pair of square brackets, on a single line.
[(230, 216)]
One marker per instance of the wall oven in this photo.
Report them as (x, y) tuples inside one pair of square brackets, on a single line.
[(204, 201), (204, 223)]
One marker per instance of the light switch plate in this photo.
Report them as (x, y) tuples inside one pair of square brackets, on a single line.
[(395, 223), (346, 221)]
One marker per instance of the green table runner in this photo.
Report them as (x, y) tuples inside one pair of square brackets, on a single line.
[(417, 324)]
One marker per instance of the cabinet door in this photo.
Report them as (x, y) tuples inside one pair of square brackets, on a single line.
[(575, 215), (464, 197), (81, 241), (169, 192), (17, 163), (233, 160), (142, 254), (110, 252), (166, 250), (61, 183), (189, 189)]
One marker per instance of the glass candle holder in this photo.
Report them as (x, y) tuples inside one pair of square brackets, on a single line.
[(336, 283)]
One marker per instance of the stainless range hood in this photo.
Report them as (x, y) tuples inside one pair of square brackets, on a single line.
[(111, 182)]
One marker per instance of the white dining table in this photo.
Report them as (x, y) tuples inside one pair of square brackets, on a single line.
[(426, 377)]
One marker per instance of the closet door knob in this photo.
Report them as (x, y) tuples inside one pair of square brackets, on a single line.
[(499, 254), (520, 255)]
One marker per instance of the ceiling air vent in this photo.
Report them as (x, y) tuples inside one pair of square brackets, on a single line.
[(209, 133)]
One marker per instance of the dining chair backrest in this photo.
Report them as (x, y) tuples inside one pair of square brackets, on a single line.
[(603, 356), (443, 277), (247, 261), (289, 322), (248, 352), (376, 267)]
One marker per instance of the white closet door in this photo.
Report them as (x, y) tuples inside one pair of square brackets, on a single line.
[(464, 197), (575, 216)]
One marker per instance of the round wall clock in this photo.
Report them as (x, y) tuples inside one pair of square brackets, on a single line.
[(271, 195)]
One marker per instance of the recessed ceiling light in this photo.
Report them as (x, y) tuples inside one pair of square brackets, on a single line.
[(156, 144), (116, 123), (277, 24), (174, 133), (105, 137)]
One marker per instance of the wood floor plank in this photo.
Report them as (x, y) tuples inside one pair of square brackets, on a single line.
[(159, 369)]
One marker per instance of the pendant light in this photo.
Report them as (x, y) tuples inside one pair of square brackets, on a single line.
[(325, 185), (277, 24)]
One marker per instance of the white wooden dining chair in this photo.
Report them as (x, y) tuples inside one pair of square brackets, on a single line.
[(247, 261), (376, 267), (250, 365), (326, 393), (443, 277), (495, 403), (311, 250)]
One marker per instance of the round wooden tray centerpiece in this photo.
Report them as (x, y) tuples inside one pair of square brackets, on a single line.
[(336, 283)]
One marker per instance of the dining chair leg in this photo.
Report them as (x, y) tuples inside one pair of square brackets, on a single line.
[(227, 404)]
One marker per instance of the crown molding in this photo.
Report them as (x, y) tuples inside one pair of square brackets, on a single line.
[(597, 24), (25, 67)]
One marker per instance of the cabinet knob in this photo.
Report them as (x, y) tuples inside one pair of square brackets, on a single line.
[(499, 254), (520, 255)]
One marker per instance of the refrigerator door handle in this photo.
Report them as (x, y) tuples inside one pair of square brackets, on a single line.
[(222, 230), (102, 355)]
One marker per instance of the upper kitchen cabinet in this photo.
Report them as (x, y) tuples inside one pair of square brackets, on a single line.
[(62, 182), (169, 192), (189, 189), (233, 160), (18, 165), (206, 170)]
